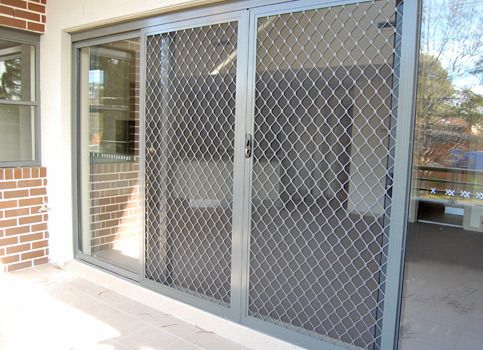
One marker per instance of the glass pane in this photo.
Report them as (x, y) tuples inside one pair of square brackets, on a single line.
[(109, 112), (190, 128), (443, 287), (17, 133), (17, 71)]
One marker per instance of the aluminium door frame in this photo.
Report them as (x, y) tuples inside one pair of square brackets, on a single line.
[(231, 312), (401, 180), (76, 158), (240, 259)]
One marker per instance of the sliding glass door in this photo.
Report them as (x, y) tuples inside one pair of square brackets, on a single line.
[(109, 152), (443, 286), (256, 155), (271, 139)]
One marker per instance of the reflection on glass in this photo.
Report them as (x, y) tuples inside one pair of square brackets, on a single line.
[(111, 122), (444, 261), (109, 85), (17, 90), (17, 136), (17, 71)]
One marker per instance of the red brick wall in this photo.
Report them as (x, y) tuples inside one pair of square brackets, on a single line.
[(115, 214), (23, 222), (23, 14)]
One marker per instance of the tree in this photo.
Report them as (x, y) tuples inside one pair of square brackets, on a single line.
[(434, 89), (470, 108), (11, 80)]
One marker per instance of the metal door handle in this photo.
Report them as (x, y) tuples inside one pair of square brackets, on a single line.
[(248, 145)]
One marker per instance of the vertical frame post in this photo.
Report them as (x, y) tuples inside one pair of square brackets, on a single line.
[(402, 174)]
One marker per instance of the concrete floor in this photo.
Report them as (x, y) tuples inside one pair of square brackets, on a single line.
[(442, 307), (48, 308)]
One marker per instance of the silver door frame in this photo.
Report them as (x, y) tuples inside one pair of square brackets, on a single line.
[(76, 150), (246, 13), (241, 17)]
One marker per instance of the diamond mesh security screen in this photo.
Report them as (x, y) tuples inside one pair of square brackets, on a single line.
[(190, 117), (324, 127)]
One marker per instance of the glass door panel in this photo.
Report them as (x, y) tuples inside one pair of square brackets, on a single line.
[(443, 286), (109, 133)]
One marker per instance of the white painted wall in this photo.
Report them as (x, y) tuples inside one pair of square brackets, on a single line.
[(63, 17)]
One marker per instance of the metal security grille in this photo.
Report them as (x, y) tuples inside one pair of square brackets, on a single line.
[(324, 127), (190, 118)]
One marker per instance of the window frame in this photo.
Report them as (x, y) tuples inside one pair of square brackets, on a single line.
[(26, 38)]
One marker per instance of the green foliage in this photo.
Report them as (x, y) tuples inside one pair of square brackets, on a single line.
[(438, 99), (435, 90), (471, 108)]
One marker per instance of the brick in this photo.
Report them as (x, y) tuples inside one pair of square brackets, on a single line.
[(38, 191), (36, 210), (28, 202), (43, 172), (17, 173), (17, 212), (35, 172), (41, 261), (16, 194), (33, 254), (30, 219), (6, 10), (8, 204), (18, 248), (15, 3), (36, 27), (36, 7), (8, 174), (19, 266), (8, 222), (31, 237), (39, 227), (9, 259), (18, 230), (8, 241), (29, 183), (7, 184), (26, 173), (40, 244)]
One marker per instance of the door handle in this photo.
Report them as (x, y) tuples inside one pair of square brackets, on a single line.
[(248, 145)]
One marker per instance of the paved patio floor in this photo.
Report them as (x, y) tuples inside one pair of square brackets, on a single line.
[(49, 308)]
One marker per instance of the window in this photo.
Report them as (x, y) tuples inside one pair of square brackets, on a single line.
[(112, 127), (442, 299), (109, 149), (19, 120)]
